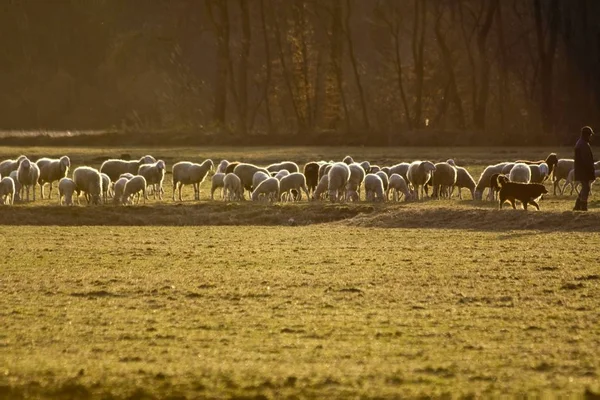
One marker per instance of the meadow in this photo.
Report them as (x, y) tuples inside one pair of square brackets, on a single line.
[(210, 299)]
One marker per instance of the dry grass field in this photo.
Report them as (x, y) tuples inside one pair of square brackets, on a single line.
[(213, 300)]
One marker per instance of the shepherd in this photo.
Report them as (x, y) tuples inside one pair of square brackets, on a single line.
[(584, 167)]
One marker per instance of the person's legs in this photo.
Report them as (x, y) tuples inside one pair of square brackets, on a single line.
[(583, 195)]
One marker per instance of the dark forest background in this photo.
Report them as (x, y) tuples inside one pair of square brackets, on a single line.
[(305, 71)]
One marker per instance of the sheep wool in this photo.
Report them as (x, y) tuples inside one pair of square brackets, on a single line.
[(52, 170), (269, 188), (338, 177), (89, 181), (66, 188), (188, 173), (7, 190)]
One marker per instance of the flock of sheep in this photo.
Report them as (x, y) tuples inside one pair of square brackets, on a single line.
[(125, 182)]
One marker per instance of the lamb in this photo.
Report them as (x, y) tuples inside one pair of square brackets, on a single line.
[(419, 172), (374, 188), (321, 188), (443, 179), (550, 161), (398, 184), (386, 170), (18, 186), (375, 169), (357, 176), (338, 177), (119, 188), (561, 171), (464, 180), (289, 166), (400, 169), (135, 185), (7, 190), (66, 188), (105, 186), (324, 170), (52, 170), (154, 174), (115, 167), (28, 175), (281, 174), (311, 172), (520, 173), (366, 166), (217, 181), (348, 160), (258, 177), (539, 172), (232, 188), (222, 166), (485, 179), (526, 193), (8, 166), (188, 173), (246, 172), (269, 188), (294, 181), (89, 181), (126, 175), (384, 179)]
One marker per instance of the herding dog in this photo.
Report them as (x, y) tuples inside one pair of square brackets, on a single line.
[(526, 193)]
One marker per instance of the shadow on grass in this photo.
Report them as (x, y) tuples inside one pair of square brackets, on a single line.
[(403, 215)]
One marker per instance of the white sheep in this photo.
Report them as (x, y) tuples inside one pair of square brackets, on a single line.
[(28, 174), (118, 189), (246, 172), (397, 184), (520, 173), (18, 186), (269, 188), (281, 174), (258, 177), (289, 166), (570, 181), (7, 190), (366, 166), (464, 180), (222, 166), (443, 179), (89, 181), (115, 167), (384, 178), (419, 173), (561, 171), (294, 181), (321, 188), (324, 169), (52, 170), (188, 173), (126, 175), (232, 188), (216, 182), (375, 169), (374, 188), (106, 185), (357, 176), (135, 186), (155, 175), (539, 172), (348, 160), (507, 168), (339, 175), (66, 188), (400, 169), (8, 166), (485, 180)]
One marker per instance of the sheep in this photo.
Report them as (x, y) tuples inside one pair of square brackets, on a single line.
[(135, 185), (374, 190), (348, 160), (375, 169), (539, 172), (18, 186), (8, 166), (357, 176), (400, 169), (295, 181), (365, 166), (231, 167), (311, 172), (384, 179), (217, 181), (561, 171), (386, 170), (232, 188), (484, 180), (246, 172), (115, 167), (154, 174), (289, 166), (324, 169), (570, 181), (119, 188), (507, 168), (398, 184), (550, 161), (7, 190), (419, 172), (443, 179), (338, 177), (269, 188), (89, 181), (464, 180), (126, 175), (258, 177), (188, 173), (28, 174), (321, 188), (520, 173), (66, 188), (281, 174), (105, 186), (222, 166), (52, 170)]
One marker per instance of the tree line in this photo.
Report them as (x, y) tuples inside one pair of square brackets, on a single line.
[(306, 71)]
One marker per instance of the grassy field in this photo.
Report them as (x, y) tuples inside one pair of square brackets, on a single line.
[(309, 300)]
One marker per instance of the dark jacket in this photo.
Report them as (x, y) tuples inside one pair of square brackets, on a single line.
[(584, 162)]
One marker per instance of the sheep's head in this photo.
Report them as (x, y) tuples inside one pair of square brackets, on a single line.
[(65, 163), (147, 159), (25, 163), (21, 158), (95, 199), (477, 195), (348, 160), (161, 165)]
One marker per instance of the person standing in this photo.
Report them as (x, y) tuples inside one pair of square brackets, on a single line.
[(584, 167)]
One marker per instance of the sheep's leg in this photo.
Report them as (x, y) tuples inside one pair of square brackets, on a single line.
[(49, 192), (144, 197), (42, 190), (180, 188)]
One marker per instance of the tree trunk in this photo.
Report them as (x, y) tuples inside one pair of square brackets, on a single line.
[(221, 25), (267, 68), (419, 28), (243, 69), (361, 93)]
